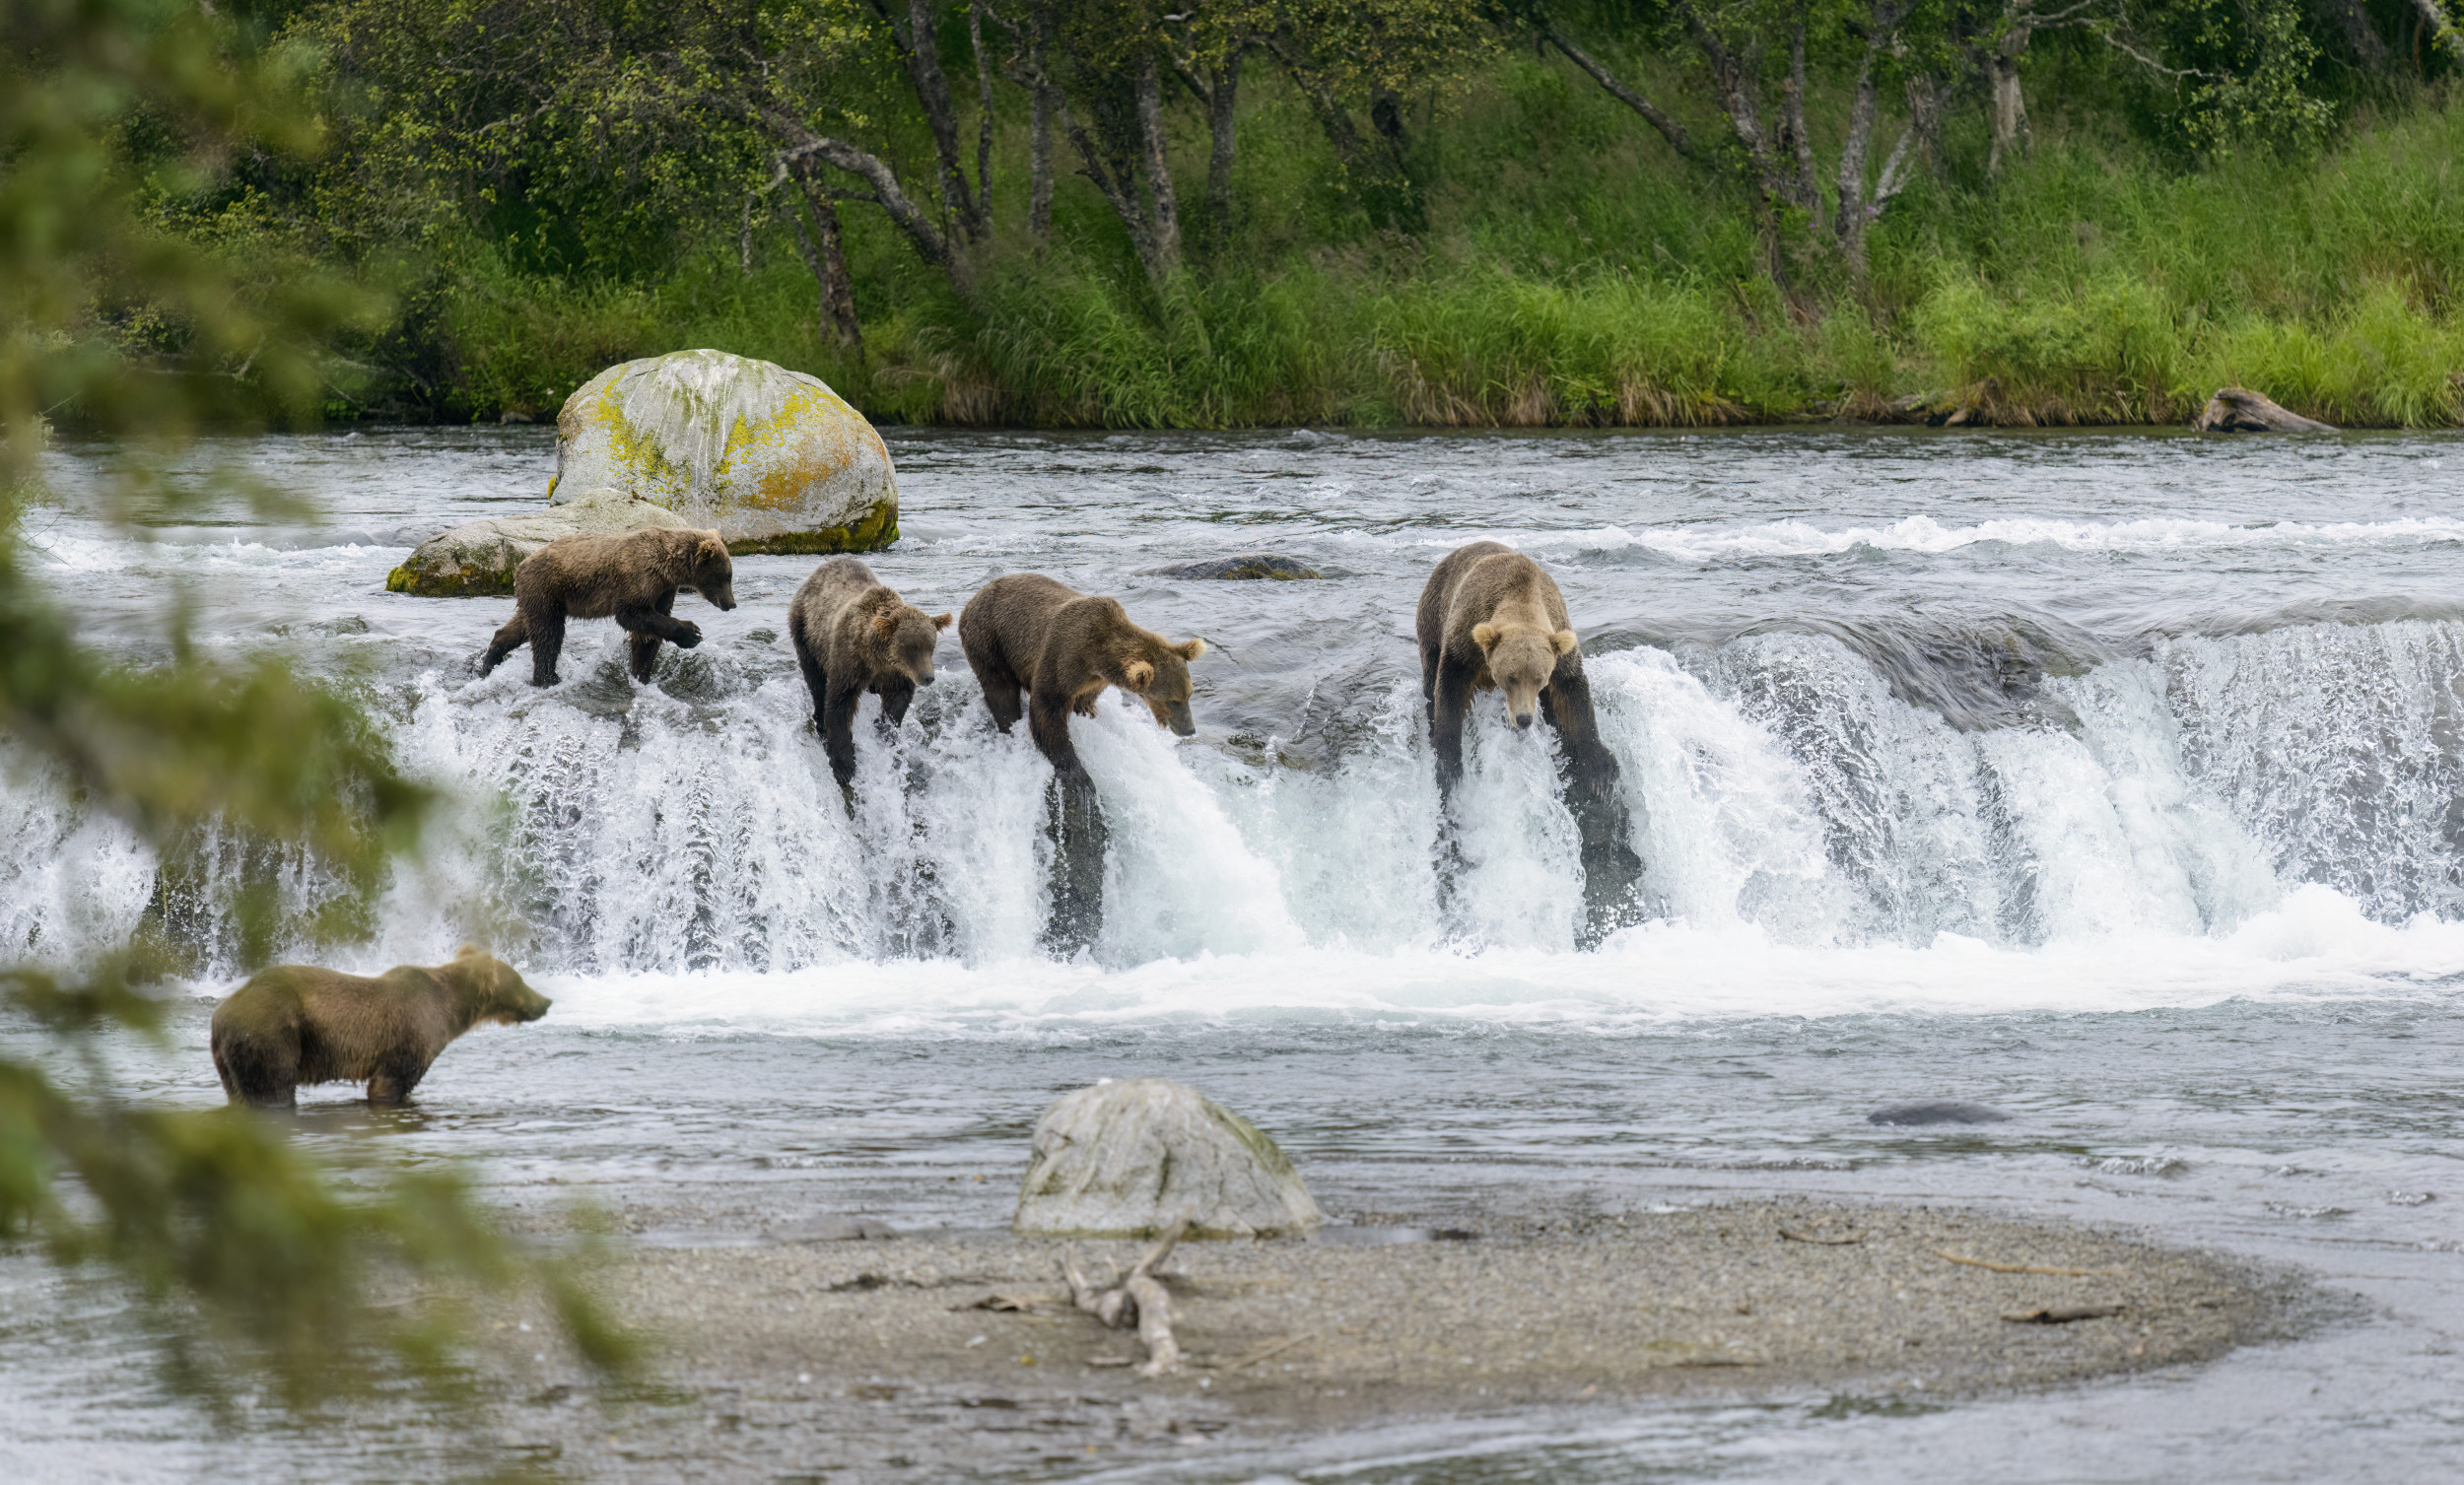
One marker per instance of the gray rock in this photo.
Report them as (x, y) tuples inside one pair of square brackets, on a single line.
[(772, 458), (833, 1227), (2238, 410), (1254, 565), (1128, 1159), (1941, 1112), (477, 559)]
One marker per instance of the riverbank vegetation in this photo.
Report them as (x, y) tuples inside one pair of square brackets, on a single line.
[(1523, 213)]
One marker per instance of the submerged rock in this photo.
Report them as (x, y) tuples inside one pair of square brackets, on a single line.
[(1254, 565), (477, 559), (833, 1227), (2238, 410), (1941, 1112), (1128, 1159), (774, 459)]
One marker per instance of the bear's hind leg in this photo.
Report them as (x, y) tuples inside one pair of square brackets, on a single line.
[(816, 680), (514, 636), (260, 1071), (547, 641), (393, 1083)]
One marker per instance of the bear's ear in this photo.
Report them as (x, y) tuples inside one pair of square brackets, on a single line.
[(885, 623), (1137, 675), (1565, 640), (466, 951), (1190, 649), (713, 548), (941, 621), (1484, 635)]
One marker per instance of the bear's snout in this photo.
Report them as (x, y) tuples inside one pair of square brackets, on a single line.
[(1180, 721), (724, 597), (1523, 723)]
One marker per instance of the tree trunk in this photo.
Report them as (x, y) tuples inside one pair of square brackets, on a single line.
[(1670, 129), (1219, 127), (984, 117), (1040, 164), (1156, 166), (1807, 190), (2008, 105), (922, 46), (828, 262), (2353, 19)]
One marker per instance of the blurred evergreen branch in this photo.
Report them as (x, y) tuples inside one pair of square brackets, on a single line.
[(246, 1248)]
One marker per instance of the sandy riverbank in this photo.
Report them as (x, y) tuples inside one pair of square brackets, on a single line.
[(862, 1360)]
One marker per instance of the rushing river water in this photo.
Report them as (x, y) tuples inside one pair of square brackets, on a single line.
[(2116, 781)]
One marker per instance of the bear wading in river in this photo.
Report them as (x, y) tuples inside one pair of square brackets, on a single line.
[(297, 1023), (630, 578), (854, 635), (1490, 620), (1029, 636)]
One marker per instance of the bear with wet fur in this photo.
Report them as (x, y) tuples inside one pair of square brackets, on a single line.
[(854, 635), (630, 578), (1490, 620), (297, 1023), (1029, 636)]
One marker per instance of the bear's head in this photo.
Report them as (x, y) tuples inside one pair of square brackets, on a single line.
[(906, 635), (714, 576), (497, 992), (1520, 658), (1158, 674)]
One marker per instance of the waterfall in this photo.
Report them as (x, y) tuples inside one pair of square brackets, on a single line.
[(1815, 788)]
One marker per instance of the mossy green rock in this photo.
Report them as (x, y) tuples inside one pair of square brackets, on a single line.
[(772, 458), (1128, 1159), (477, 559)]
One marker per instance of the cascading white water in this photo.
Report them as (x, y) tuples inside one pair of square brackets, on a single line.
[(1776, 784)]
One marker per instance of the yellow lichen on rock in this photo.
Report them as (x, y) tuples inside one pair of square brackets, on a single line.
[(772, 458)]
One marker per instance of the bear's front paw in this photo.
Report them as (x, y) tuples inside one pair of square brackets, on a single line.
[(1083, 708), (688, 634)]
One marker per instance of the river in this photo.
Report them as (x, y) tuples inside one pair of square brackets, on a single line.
[(2114, 779)]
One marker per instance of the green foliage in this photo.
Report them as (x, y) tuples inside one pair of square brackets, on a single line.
[(129, 301)]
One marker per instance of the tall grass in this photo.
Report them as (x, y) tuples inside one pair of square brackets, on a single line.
[(1568, 272)]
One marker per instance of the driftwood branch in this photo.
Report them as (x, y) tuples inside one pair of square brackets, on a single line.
[(2068, 1273), (1137, 1295)]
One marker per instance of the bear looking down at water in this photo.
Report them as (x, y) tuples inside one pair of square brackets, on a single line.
[(297, 1023), (630, 578), (853, 634), (1027, 633)]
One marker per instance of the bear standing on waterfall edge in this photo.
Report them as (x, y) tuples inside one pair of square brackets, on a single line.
[(297, 1023), (853, 634), (630, 578), (1491, 620), (1026, 634)]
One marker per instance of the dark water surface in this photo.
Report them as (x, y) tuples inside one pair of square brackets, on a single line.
[(2112, 780)]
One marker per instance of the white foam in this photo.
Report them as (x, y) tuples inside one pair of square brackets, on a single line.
[(2315, 946), (1709, 544)]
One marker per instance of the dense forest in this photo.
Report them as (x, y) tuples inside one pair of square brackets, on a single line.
[(1453, 212)]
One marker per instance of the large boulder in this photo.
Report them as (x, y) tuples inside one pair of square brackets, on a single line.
[(772, 458), (476, 559), (1128, 1159)]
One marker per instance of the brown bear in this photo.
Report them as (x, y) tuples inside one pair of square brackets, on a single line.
[(297, 1023), (1027, 633), (854, 635), (630, 578), (1491, 620)]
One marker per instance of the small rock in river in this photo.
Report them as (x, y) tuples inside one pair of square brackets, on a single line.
[(832, 1226), (1936, 1112), (1254, 565), (1128, 1159)]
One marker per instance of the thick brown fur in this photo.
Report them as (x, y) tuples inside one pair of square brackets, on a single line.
[(1490, 620), (1027, 636), (630, 578), (297, 1023), (854, 635)]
